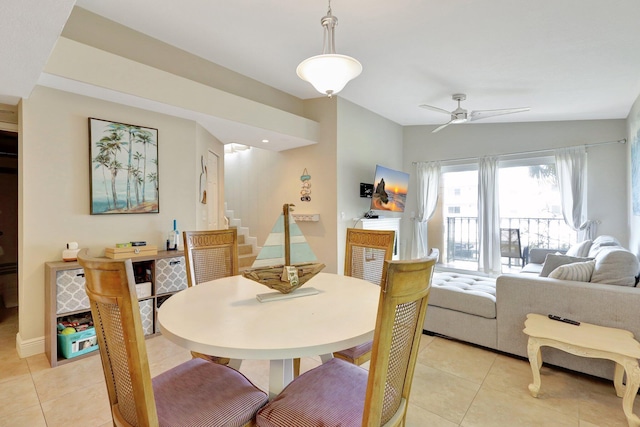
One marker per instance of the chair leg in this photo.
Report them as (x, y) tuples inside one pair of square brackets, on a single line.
[(214, 359), (296, 368)]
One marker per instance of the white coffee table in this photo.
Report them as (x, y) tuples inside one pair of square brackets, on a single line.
[(224, 318), (587, 340)]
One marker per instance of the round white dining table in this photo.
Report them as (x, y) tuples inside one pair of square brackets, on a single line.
[(224, 318)]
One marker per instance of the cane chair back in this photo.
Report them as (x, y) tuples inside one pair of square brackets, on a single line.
[(365, 254), (116, 317), (401, 314), (210, 254), (341, 393), (136, 399), (366, 251)]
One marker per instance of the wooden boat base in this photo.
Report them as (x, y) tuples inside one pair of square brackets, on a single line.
[(271, 276)]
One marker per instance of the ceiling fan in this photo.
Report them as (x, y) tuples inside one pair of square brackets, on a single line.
[(460, 115)]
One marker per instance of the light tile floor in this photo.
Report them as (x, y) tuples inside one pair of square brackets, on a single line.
[(454, 385)]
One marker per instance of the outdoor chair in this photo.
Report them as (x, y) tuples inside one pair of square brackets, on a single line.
[(510, 245)]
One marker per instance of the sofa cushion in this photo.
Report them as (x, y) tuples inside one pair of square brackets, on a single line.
[(615, 266), (601, 242), (465, 293), (580, 249), (553, 261), (532, 268), (578, 271)]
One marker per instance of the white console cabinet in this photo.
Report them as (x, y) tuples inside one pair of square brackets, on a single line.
[(385, 224)]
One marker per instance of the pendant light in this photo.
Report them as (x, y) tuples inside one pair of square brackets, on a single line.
[(329, 72)]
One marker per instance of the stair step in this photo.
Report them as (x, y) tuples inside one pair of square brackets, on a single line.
[(245, 249), (241, 240), (246, 261)]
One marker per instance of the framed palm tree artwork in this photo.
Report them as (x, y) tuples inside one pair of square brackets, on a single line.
[(124, 168)]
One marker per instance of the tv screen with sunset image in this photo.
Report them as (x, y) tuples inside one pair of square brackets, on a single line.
[(389, 190)]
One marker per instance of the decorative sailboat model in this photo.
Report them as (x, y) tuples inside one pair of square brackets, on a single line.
[(286, 260)]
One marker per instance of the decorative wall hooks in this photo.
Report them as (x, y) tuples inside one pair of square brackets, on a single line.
[(305, 193)]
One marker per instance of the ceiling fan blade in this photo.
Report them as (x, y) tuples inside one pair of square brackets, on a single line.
[(439, 128), (483, 114), (436, 109)]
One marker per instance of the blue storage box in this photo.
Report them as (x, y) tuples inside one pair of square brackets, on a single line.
[(79, 343)]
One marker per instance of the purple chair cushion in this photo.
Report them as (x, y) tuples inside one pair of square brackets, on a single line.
[(330, 395), (201, 393)]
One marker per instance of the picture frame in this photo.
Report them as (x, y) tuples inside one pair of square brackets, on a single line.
[(123, 174)]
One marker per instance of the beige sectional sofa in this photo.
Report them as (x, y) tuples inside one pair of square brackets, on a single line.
[(460, 305)]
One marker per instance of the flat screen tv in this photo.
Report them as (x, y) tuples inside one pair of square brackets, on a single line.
[(389, 190)]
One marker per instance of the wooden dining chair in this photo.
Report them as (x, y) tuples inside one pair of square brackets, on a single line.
[(210, 255), (341, 393), (365, 254), (193, 393)]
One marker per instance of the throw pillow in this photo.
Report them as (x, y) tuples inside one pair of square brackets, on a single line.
[(602, 242), (605, 240), (580, 249), (578, 271), (616, 267), (553, 261)]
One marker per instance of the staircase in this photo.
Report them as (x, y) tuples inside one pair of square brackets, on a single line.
[(247, 246)]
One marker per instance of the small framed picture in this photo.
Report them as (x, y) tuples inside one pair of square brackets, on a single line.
[(84, 343), (123, 168)]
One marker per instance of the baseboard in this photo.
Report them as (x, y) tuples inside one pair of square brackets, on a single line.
[(27, 348)]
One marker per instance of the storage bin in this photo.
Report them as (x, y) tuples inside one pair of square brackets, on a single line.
[(171, 275), (73, 345), (146, 316), (70, 292), (143, 290)]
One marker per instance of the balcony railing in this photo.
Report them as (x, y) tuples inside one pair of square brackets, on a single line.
[(548, 233)]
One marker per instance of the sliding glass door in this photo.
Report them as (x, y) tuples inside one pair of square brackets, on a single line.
[(530, 210)]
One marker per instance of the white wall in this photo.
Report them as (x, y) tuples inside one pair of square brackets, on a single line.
[(352, 141), (54, 188), (206, 142), (606, 182), (364, 140), (258, 182)]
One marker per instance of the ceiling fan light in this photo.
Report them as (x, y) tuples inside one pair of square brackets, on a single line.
[(329, 73)]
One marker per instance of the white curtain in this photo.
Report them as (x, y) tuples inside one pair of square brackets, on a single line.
[(428, 182), (571, 167), (489, 216)]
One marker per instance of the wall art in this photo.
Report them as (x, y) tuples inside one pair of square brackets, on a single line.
[(124, 168)]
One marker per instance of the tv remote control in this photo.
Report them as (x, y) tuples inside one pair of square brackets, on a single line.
[(565, 320)]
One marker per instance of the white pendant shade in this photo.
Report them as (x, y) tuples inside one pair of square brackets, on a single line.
[(329, 73)]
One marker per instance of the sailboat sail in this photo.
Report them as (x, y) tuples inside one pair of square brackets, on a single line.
[(273, 250), (286, 260)]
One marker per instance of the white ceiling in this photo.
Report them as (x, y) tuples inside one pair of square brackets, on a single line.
[(566, 59)]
